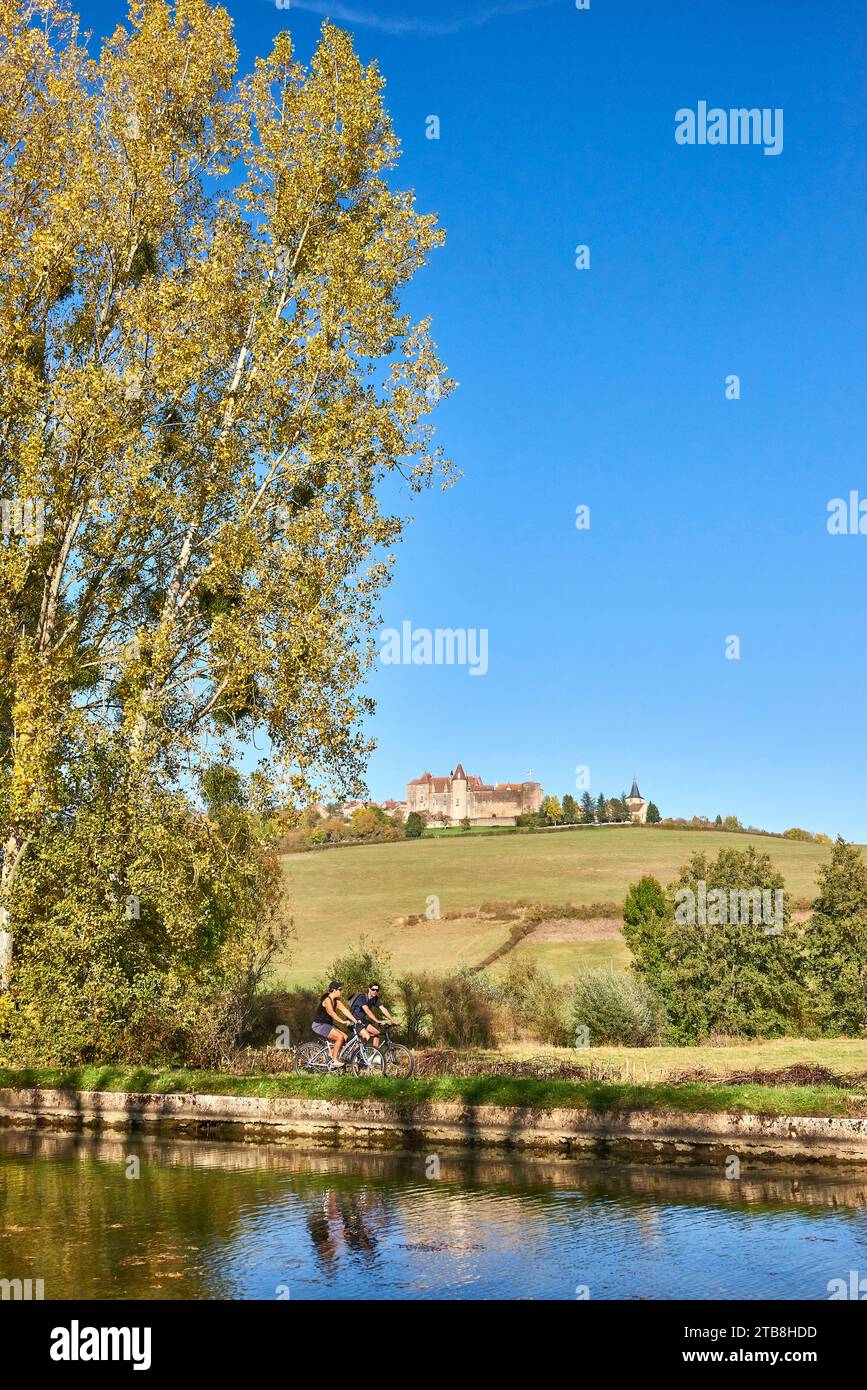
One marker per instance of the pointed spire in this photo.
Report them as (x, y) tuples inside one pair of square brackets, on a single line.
[(635, 792)]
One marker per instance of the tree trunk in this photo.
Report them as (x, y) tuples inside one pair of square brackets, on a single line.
[(13, 850)]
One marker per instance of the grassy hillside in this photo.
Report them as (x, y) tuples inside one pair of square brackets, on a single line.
[(340, 894)]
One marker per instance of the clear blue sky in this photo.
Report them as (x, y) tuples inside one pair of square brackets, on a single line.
[(606, 387)]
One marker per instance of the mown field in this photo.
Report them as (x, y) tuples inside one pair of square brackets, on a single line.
[(340, 895)]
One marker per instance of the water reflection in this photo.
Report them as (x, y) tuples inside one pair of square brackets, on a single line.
[(267, 1221)]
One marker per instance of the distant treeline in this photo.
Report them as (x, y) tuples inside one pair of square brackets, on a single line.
[(601, 810), (309, 829)]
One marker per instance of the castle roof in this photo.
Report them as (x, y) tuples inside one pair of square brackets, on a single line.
[(474, 783)]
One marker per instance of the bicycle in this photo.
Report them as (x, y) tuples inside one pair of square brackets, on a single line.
[(399, 1061), (314, 1059)]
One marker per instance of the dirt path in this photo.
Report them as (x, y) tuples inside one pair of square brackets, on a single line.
[(572, 929)]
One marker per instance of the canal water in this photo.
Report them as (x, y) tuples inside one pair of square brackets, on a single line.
[(124, 1218)]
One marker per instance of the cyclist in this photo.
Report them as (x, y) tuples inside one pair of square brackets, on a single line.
[(362, 1006), (326, 1019)]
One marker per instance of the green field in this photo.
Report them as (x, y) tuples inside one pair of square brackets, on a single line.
[(339, 895)]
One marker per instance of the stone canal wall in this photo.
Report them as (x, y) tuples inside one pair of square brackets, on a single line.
[(652, 1134)]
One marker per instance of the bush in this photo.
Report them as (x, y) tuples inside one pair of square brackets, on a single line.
[(142, 932), (462, 1010), (414, 826), (413, 993), (290, 1009), (457, 1010), (359, 967), (616, 1009), (536, 1004)]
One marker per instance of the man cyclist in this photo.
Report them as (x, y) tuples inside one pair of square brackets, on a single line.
[(326, 1019), (362, 1006)]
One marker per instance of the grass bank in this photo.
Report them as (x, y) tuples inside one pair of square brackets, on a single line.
[(544, 1093)]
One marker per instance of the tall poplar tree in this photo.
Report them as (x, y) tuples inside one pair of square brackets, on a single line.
[(205, 376)]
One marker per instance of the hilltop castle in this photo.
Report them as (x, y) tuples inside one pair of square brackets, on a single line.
[(460, 797)]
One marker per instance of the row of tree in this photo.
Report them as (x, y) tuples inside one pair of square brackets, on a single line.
[(601, 810)]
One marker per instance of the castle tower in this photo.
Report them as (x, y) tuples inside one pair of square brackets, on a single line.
[(459, 808)]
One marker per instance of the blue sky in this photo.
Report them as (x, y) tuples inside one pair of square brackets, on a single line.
[(606, 387)]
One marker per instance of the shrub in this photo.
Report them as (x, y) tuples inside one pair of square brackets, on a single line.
[(617, 1009), (462, 1010), (413, 993), (290, 1009), (536, 1004), (143, 932), (359, 966), (457, 1010), (414, 826)]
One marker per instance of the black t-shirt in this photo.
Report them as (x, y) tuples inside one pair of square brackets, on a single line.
[(321, 1015)]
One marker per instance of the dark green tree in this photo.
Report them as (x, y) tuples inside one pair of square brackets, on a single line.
[(587, 808), (835, 945), (646, 923), (414, 826), (716, 973), (842, 883), (570, 810), (653, 816)]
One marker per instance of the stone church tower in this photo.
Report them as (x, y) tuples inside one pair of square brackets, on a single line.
[(636, 804)]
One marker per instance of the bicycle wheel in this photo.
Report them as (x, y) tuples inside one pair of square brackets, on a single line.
[(399, 1061), (368, 1063), (309, 1059)]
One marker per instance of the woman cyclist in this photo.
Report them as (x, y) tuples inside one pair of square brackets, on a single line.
[(326, 1019)]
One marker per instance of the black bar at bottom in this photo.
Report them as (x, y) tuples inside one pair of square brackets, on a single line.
[(156, 1338)]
